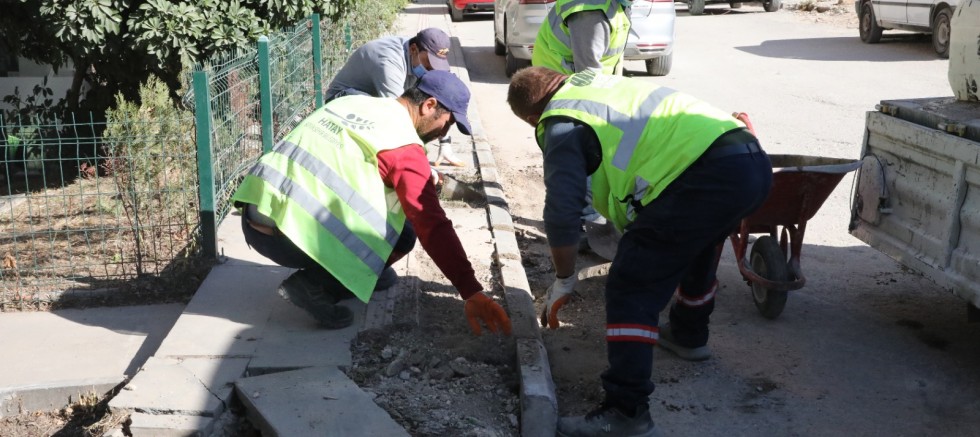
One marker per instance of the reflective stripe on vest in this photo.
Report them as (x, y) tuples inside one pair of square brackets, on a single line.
[(323, 216), (632, 127), (328, 177)]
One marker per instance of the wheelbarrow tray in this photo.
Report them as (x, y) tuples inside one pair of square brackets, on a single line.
[(800, 185)]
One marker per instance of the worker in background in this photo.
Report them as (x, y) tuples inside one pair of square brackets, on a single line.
[(579, 35), (676, 175), (343, 195), (386, 67)]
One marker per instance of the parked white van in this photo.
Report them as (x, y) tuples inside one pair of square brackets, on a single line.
[(928, 16)]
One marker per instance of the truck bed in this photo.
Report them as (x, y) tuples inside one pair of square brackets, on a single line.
[(917, 199)]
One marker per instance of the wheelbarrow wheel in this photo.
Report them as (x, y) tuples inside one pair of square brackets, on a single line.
[(767, 260)]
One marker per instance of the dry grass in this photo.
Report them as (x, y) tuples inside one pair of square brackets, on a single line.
[(88, 417), (79, 238)]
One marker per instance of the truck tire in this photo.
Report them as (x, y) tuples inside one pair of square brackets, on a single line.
[(735, 5), (659, 66), (772, 5), (940, 33), (695, 7), (769, 261), (867, 26)]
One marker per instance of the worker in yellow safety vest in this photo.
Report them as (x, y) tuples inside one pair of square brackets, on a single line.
[(346, 193), (671, 172), (579, 35)]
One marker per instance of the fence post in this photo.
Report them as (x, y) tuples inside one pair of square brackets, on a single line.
[(348, 37), (317, 62), (205, 175), (265, 93)]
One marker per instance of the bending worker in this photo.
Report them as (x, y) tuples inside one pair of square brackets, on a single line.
[(579, 35), (342, 196), (386, 67), (676, 175)]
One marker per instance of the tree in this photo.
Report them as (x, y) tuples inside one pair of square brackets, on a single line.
[(115, 45)]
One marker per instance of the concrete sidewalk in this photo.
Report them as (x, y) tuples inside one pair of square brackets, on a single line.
[(236, 337)]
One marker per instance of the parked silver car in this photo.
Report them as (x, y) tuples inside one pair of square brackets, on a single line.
[(929, 16), (651, 38)]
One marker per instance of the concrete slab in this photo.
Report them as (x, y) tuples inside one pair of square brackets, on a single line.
[(313, 401), (65, 353), (291, 340), (228, 312), (193, 386), (169, 425)]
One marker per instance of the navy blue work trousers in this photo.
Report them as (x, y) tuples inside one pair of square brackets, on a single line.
[(674, 245)]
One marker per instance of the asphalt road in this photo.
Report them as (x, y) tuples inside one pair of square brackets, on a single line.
[(866, 347)]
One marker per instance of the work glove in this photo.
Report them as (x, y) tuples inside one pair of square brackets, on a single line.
[(480, 308), (558, 294)]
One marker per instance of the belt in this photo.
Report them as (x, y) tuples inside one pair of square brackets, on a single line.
[(721, 151)]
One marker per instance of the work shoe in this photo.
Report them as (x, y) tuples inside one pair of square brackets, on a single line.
[(311, 298), (387, 279), (608, 421), (667, 341)]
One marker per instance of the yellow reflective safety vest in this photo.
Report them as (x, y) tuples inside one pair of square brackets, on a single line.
[(553, 46), (321, 186), (649, 135)]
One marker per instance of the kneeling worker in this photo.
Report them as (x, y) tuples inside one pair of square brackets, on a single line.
[(343, 195)]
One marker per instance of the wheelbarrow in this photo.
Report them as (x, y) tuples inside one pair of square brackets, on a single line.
[(800, 185)]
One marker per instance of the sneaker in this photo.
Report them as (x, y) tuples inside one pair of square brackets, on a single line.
[(387, 279), (609, 421), (311, 298), (667, 341)]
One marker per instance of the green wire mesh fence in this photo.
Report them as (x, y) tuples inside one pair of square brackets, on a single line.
[(92, 205), (89, 206)]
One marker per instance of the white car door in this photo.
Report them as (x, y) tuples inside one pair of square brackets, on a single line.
[(890, 10), (918, 12)]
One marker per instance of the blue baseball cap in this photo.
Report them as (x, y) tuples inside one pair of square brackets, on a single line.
[(436, 43), (450, 92)]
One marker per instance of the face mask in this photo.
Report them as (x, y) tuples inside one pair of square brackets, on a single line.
[(626, 3), (419, 70)]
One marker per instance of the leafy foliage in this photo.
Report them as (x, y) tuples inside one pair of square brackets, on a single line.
[(115, 45)]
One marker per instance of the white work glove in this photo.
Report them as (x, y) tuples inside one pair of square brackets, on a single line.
[(558, 294)]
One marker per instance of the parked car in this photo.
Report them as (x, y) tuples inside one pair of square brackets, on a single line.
[(457, 8), (696, 7), (651, 37), (928, 16)]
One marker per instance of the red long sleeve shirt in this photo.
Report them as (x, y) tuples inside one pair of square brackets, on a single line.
[(406, 170)]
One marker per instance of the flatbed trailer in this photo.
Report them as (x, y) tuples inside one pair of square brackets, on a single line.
[(917, 196)]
